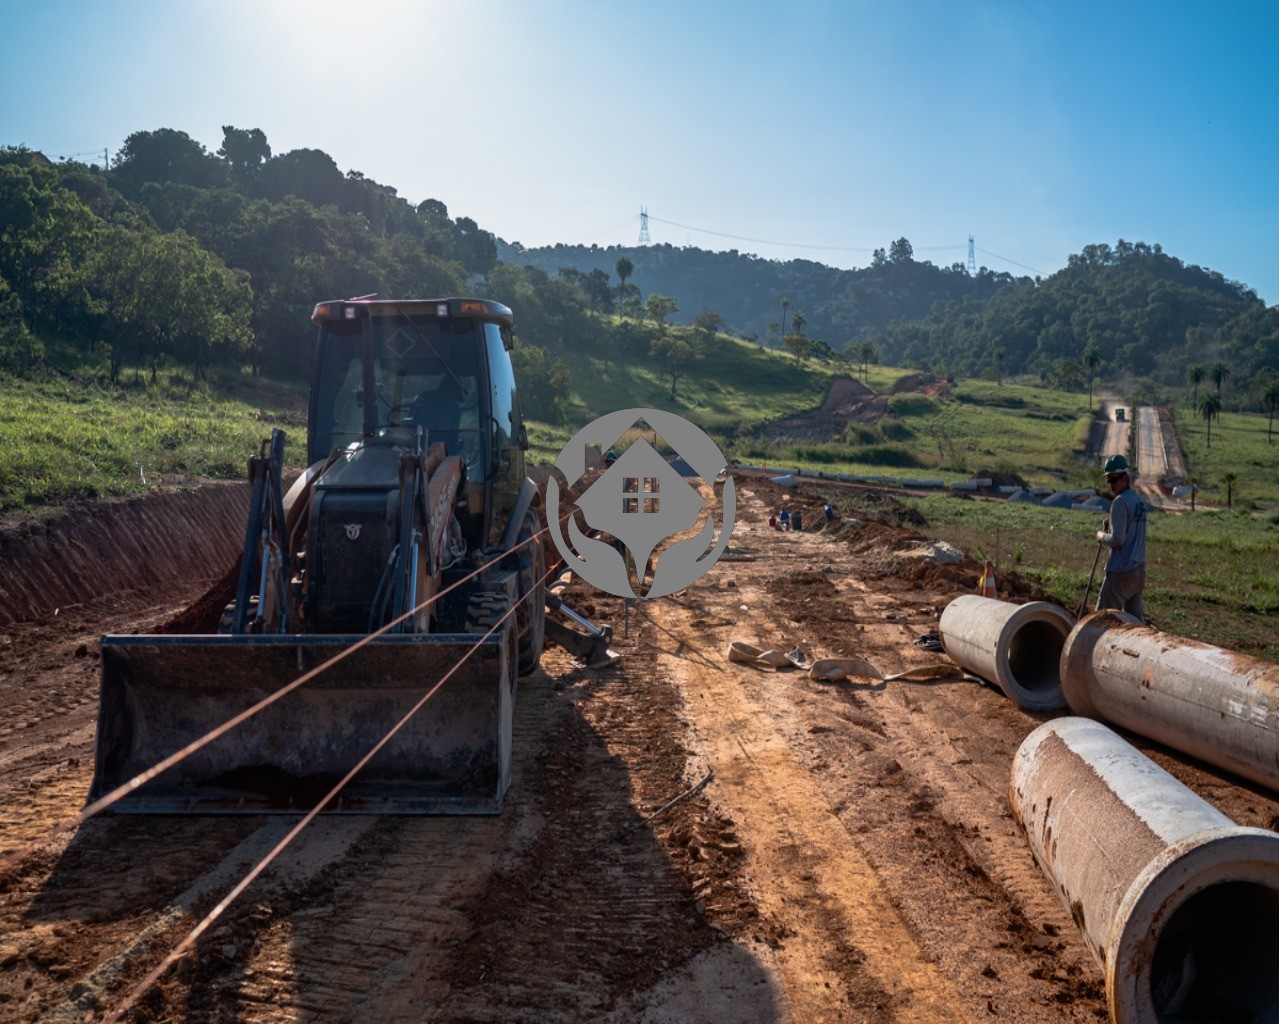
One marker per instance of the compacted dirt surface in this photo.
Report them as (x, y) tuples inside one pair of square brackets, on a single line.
[(685, 838)]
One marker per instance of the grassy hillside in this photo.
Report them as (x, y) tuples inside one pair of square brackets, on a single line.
[(62, 440)]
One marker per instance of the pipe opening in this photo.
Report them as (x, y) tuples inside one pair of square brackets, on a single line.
[(1217, 959), (1034, 656)]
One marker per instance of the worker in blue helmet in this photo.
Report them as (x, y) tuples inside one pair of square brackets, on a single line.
[(1124, 533)]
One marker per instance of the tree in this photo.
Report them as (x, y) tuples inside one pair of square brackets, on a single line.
[(675, 356), (1270, 396), (709, 323), (1195, 375), (245, 150), (999, 354), (879, 258), (599, 293), (798, 346), (625, 267), (901, 251), (772, 335), (1219, 372), (1229, 479), (870, 354), (1193, 483), (166, 155), (1090, 360), (798, 322), (1209, 410), (785, 304), (659, 307)]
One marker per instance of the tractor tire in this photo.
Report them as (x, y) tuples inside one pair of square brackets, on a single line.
[(228, 615), (484, 611), (530, 616)]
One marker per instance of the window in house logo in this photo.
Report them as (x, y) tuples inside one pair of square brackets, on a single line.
[(647, 499)]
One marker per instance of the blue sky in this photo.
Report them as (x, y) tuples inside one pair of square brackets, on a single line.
[(820, 130)]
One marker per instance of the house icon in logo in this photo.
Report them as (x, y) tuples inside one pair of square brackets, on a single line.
[(641, 501)]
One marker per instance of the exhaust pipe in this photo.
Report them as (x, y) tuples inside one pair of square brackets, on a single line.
[(1016, 647), (1179, 905), (1210, 703)]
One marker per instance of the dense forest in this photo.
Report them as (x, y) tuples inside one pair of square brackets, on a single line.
[(179, 256), (1129, 312)]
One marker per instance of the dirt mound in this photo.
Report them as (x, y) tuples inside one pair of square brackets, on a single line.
[(843, 392), (847, 400)]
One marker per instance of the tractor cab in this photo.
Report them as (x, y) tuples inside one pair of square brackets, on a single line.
[(408, 373)]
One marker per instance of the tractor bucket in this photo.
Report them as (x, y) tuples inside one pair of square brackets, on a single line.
[(161, 693)]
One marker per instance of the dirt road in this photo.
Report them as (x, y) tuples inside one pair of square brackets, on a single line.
[(842, 852)]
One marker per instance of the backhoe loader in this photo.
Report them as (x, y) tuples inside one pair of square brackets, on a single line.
[(414, 516)]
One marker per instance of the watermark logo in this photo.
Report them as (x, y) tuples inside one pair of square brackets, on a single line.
[(640, 501)]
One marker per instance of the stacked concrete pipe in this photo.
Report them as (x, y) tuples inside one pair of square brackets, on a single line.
[(1179, 905), (1015, 646), (1213, 704)]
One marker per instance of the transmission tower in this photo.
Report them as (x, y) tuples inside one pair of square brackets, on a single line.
[(972, 258), (644, 238)]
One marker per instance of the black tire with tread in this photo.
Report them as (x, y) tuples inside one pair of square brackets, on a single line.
[(530, 616)]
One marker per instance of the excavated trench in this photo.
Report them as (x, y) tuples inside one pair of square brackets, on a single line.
[(97, 551)]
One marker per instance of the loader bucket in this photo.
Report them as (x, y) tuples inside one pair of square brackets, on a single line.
[(160, 693)]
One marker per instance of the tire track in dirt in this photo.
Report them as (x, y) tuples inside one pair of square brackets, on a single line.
[(917, 775), (847, 954)]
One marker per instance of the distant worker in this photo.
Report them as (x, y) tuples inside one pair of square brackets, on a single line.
[(797, 520), (772, 522), (829, 510), (784, 518), (1125, 534)]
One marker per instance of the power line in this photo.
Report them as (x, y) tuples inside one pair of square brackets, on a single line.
[(644, 217), (1033, 270)]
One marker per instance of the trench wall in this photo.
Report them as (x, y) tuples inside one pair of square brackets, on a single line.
[(110, 547)]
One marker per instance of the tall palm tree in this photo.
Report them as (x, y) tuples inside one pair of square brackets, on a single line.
[(1218, 373), (799, 322), (1271, 399), (785, 304), (1091, 360), (867, 354), (1209, 410), (772, 335), (625, 267), (1229, 480), (1195, 375)]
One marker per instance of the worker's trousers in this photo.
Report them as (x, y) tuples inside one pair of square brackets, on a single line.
[(1122, 591)]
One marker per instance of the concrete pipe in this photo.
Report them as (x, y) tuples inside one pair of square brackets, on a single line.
[(1179, 905), (1216, 705), (1016, 647)]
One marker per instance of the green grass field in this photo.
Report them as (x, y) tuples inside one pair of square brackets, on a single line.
[(1239, 446), (61, 441), (1212, 576)]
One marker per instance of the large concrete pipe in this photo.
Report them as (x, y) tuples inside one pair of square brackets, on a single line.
[(1216, 705), (1179, 905), (1015, 646)]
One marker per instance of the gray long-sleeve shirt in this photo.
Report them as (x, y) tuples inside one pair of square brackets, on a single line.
[(1127, 536)]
